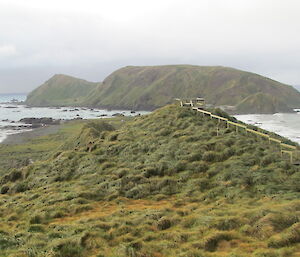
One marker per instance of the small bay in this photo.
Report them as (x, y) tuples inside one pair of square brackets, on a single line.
[(12, 111)]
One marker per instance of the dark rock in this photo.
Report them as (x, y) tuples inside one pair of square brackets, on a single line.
[(118, 114), (41, 121), (19, 127), (36, 125)]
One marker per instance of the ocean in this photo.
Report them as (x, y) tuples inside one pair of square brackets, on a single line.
[(284, 124), (11, 114)]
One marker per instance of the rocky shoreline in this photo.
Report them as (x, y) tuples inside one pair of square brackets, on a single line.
[(30, 123), (26, 136), (17, 120)]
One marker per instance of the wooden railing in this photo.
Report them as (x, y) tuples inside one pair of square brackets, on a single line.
[(290, 150)]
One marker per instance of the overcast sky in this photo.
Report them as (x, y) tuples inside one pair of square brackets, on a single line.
[(91, 38)]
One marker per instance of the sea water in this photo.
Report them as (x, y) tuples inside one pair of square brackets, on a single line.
[(11, 113), (284, 124)]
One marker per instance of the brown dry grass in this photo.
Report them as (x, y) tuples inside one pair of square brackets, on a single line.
[(103, 209)]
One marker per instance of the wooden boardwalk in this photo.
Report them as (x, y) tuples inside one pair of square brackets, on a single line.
[(286, 150)]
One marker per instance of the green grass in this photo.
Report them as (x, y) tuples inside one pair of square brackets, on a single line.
[(151, 87), (61, 90), (18, 155), (157, 185)]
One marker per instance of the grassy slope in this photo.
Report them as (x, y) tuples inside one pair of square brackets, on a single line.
[(18, 155), (150, 87), (158, 185), (261, 103), (60, 90)]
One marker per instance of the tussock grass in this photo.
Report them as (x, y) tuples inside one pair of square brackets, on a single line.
[(155, 185)]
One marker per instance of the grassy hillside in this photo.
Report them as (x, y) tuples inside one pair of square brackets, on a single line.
[(60, 90), (151, 87), (158, 185), (261, 103), (155, 86)]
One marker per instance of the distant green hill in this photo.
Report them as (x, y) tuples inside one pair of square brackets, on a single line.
[(164, 184), (151, 87), (261, 103), (60, 90)]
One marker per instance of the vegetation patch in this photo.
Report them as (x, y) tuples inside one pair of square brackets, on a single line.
[(162, 184)]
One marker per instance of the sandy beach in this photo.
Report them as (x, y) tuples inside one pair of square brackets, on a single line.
[(29, 135)]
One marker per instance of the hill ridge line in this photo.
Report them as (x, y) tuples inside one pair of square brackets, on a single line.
[(292, 152)]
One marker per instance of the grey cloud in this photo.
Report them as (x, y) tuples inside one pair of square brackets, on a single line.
[(89, 39)]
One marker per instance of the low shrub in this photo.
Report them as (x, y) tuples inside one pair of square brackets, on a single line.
[(163, 224), (150, 172), (180, 165), (36, 219), (113, 136), (210, 243), (7, 241), (203, 184), (195, 157), (189, 222), (209, 156), (287, 238), (67, 249), (4, 189), (36, 229), (122, 172), (198, 167), (15, 175), (20, 187), (213, 170), (167, 186), (137, 192), (226, 223), (266, 160)]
